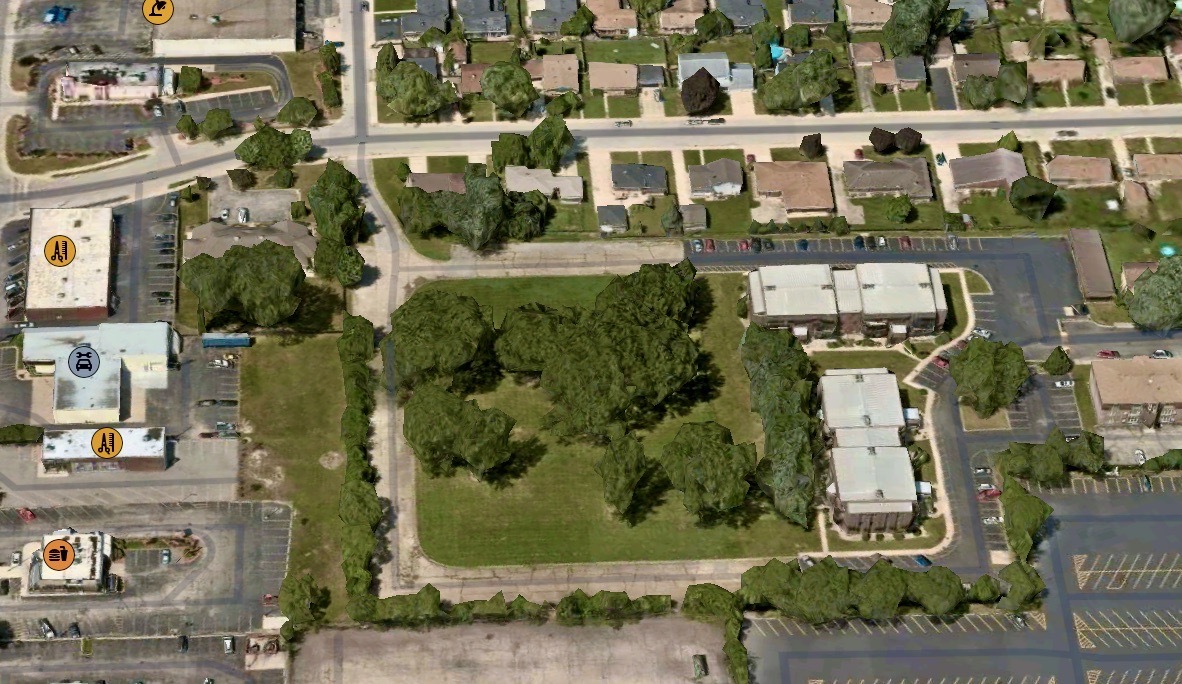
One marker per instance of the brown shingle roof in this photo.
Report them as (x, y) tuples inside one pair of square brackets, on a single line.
[(868, 12), (1136, 196), (560, 72), (987, 64), (1139, 380), (907, 176), (997, 169), (1139, 69), (803, 186), (1131, 270), (434, 182), (1069, 169), (1055, 70), (610, 16), (1056, 10), (470, 75), (608, 76), (681, 15), (1158, 166), (866, 53)]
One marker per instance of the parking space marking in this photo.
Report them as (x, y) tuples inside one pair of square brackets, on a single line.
[(1154, 676), (1137, 629), (1140, 572), (911, 624), (1123, 484), (1006, 679)]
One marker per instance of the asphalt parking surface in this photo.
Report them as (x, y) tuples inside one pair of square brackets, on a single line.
[(907, 624), (1115, 628), (1130, 572)]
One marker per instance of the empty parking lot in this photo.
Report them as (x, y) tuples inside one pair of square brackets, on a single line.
[(1123, 484), (1129, 571), (907, 624), (1136, 676), (1129, 628), (1029, 679)]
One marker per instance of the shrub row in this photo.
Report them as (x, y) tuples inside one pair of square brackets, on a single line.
[(20, 434)]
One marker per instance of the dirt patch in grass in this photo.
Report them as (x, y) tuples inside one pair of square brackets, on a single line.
[(332, 460), (973, 423)]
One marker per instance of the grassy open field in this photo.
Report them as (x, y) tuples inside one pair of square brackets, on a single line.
[(972, 422), (456, 164), (302, 68), (1084, 148), (291, 429), (555, 512), (239, 80)]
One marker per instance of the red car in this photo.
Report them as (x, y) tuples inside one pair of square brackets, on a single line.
[(27, 515), (709, 245), (905, 242), (744, 245), (1108, 354), (988, 494), (940, 361)]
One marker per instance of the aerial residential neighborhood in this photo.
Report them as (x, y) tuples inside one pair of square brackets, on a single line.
[(795, 341)]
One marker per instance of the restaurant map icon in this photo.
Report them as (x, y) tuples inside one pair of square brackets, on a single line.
[(58, 554)]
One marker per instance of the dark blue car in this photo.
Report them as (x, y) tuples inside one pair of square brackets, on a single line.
[(859, 242), (802, 245), (923, 561)]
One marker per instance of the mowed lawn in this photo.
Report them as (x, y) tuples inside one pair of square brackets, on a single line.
[(292, 399), (555, 512)]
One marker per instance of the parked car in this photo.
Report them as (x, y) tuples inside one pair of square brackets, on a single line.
[(182, 644), (164, 264), (982, 486), (802, 245), (871, 242), (807, 562), (859, 242), (227, 402), (1064, 384), (1108, 354), (157, 111), (1162, 354), (982, 471), (744, 245), (166, 556), (243, 215), (756, 245), (335, 43), (717, 121), (172, 198), (992, 520), (983, 333), (696, 245), (1066, 134), (46, 628), (16, 558), (626, 123), (923, 561), (709, 245), (769, 245), (905, 242), (161, 293), (166, 251), (940, 362), (696, 122), (228, 644), (74, 631), (953, 243), (1146, 484), (882, 243), (988, 494), (166, 236), (1139, 454), (1018, 620), (365, 7), (208, 402)]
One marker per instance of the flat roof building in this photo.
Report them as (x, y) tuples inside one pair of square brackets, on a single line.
[(99, 82), (1136, 392), (207, 28), (144, 448), (88, 572), (80, 290), (857, 398)]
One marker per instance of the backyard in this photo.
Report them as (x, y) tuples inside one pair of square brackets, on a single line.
[(636, 51), (389, 186)]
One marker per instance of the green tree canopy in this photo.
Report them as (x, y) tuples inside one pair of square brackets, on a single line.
[(985, 590), (549, 142), (765, 33), (258, 283), (825, 592), (437, 333), (1132, 20), (801, 84), (330, 90), (566, 103), (217, 122), (1010, 142), (1058, 363), (241, 179), (269, 148), (299, 111), (302, 601), (532, 334), (622, 467), (510, 87), (709, 602), (188, 127), (653, 291), (580, 24), (410, 91), (1047, 463), (980, 91), (509, 149), (916, 26), (672, 221), (1171, 460), (899, 209), (708, 468), (712, 26), (1032, 196), (1023, 515), (330, 58), (1011, 82), (880, 591), (335, 202), (1025, 585), (483, 215), (797, 38), (937, 590), (772, 585), (190, 80), (1156, 303), (445, 432), (989, 374)]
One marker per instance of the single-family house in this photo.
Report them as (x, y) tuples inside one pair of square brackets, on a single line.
[(680, 15), (1155, 167), (866, 15), (718, 64), (650, 75), (1136, 197), (997, 169), (428, 14), (743, 13), (800, 186), (612, 78), (470, 75), (613, 17), (904, 73), (483, 18), (864, 54), (1073, 171), (693, 218), (644, 179), (1148, 69), (459, 53), (426, 58), (719, 179), (963, 66), (1069, 71), (548, 20), (436, 182), (1130, 271), (1056, 11), (612, 219), (560, 73), (816, 14), (903, 176), (563, 188)]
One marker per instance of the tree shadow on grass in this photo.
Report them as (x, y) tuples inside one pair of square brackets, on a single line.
[(742, 516), (526, 454), (705, 386), (702, 299), (650, 493)]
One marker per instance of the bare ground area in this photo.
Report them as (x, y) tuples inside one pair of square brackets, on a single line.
[(654, 651)]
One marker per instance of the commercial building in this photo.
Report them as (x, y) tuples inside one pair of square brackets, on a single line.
[(215, 238), (872, 485), (81, 290), (88, 572), (563, 188), (1091, 263), (892, 300), (1137, 392), (109, 82), (144, 448), (207, 28), (137, 352)]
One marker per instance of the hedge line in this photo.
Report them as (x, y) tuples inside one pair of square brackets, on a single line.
[(20, 434)]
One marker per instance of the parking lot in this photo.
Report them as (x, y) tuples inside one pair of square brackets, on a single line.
[(242, 104), (907, 624), (1138, 676), (151, 227), (1129, 572), (1029, 679), (1122, 484), (204, 384), (1064, 410), (929, 244), (1129, 628), (263, 206), (984, 310), (117, 26)]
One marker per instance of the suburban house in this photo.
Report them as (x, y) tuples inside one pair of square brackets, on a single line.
[(483, 18), (1056, 11), (459, 53), (650, 76), (560, 73), (964, 66), (470, 75), (891, 300), (996, 169), (428, 14), (216, 238), (816, 14), (1072, 171), (612, 219), (426, 58), (1130, 271), (1091, 263), (1138, 392), (718, 64), (904, 176), (613, 17), (548, 21), (612, 78), (563, 188), (1069, 71), (904, 73), (872, 481), (680, 15), (1155, 167), (693, 218), (743, 13), (719, 179), (975, 11), (863, 54), (643, 179), (866, 15), (1139, 69), (800, 186), (436, 182)]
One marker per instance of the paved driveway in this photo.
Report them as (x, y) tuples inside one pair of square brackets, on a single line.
[(942, 89)]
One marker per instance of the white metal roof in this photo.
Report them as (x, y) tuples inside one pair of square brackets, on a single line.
[(874, 479), (796, 290), (67, 445), (85, 282), (861, 398), (866, 436), (112, 340), (897, 288)]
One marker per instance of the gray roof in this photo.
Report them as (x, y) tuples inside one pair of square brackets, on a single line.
[(550, 20), (997, 168), (693, 215), (639, 177), (716, 63), (742, 77), (650, 75), (911, 68), (483, 16), (743, 13), (811, 11), (861, 398), (906, 175), (612, 215), (428, 14), (703, 178), (874, 479), (216, 238), (427, 64), (975, 11)]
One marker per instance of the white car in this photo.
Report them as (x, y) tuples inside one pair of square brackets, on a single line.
[(984, 486), (1162, 354), (243, 215), (228, 644), (992, 520), (225, 214), (983, 333), (16, 558), (1064, 384), (1140, 456), (982, 471)]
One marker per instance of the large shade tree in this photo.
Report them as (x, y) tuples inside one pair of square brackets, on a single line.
[(1023, 515), (916, 26), (510, 87), (989, 374), (437, 333), (445, 432), (1132, 20), (1156, 303), (801, 84), (708, 468), (260, 284)]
